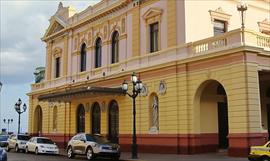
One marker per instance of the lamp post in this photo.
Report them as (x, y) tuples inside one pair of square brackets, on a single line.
[(137, 87), (8, 121), (20, 111), (242, 7)]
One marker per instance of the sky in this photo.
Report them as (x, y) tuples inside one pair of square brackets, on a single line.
[(23, 23)]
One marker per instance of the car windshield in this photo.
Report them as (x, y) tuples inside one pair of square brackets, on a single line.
[(3, 137), (96, 138), (44, 141), (23, 137)]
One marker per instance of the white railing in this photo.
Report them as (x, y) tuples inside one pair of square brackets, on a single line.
[(228, 40)]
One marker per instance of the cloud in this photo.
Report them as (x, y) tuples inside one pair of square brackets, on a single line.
[(23, 23)]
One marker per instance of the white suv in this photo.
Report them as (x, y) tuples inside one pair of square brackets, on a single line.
[(17, 142), (92, 146)]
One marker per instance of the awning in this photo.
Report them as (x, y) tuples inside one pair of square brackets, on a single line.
[(80, 93)]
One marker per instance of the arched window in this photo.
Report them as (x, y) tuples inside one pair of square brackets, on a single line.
[(154, 113), (220, 90), (83, 57), (80, 119), (96, 118), (113, 121), (98, 53), (38, 119), (55, 118), (115, 47)]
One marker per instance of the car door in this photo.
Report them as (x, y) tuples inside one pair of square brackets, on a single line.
[(31, 145), (75, 144), (12, 141), (82, 144)]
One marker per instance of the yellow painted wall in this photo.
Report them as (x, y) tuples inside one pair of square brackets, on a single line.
[(184, 108)]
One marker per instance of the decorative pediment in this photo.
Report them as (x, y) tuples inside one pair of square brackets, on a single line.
[(264, 26), (219, 14), (57, 52), (152, 12), (56, 25)]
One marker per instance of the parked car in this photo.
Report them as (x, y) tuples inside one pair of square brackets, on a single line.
[(4, 141), (17, 142), (41, 145), (3, 155), (260, 153), (92, 146)]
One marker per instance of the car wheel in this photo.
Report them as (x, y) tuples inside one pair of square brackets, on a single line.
[(265, 159), (89, 153), (8, 149), (36, 151), (17, 148), (26, 150), (70, 153)]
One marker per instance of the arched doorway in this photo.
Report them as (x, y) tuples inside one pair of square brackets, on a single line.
[(268, 110), (80, 119), (212, 100), (113, 121), (96, 118), (264, 79), (38, 120)]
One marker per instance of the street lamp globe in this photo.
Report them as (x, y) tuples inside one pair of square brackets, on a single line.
[(134, 77), (138, 85), (24, 107), (125, 86), (242, 6), (16, 107), (19, 102)]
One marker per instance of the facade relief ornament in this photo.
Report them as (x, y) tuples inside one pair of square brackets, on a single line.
[(219, 14), (155, 115), (144, 91), (152, 15), (264, 26), (57, 52), (162, 88)]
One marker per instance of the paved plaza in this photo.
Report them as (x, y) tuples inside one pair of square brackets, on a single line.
[(12, 156)]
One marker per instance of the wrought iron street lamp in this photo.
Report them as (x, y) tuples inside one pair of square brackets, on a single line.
[(137, 87), (8, 121), (242, 7), (20, 110)]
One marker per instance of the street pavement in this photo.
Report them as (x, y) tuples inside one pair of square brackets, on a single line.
[(13, 156)]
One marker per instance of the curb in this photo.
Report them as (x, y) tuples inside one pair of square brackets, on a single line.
[(63, 153)]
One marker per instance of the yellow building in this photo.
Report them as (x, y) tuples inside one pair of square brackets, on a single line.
[(206, 80)]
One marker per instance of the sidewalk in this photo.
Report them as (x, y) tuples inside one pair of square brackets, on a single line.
[(174, 157)]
